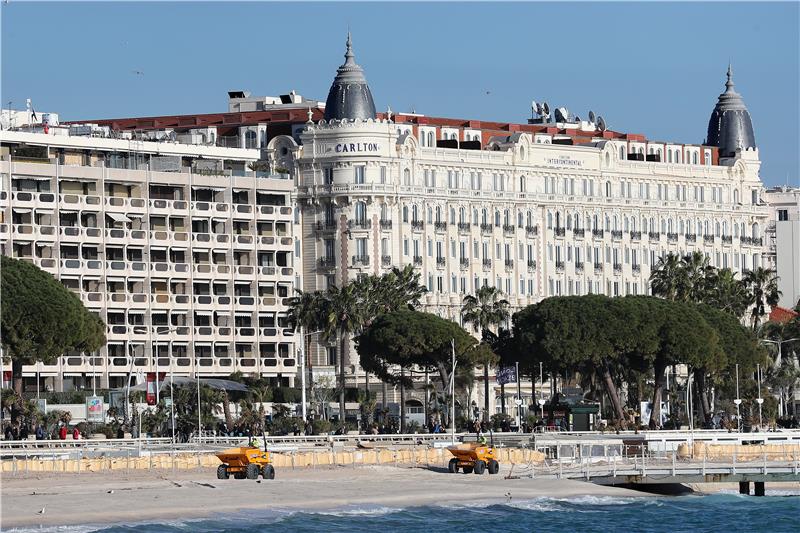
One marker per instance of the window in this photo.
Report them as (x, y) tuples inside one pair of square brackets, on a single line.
[(406, 177), (359, 172), (383, 174), (783, 214), (327, 174)]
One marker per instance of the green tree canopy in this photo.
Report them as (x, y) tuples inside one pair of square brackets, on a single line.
[(42, 319)]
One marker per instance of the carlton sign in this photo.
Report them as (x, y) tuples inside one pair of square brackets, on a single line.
[(346, 148)]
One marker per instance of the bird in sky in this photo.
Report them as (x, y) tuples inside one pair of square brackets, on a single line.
[(138, 72)]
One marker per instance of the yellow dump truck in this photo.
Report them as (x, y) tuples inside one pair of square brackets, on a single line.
[(473, 457), (245, 462)]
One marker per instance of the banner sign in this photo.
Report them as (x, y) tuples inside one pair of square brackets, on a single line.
[(152, 395), (506, 374), (94, 409)]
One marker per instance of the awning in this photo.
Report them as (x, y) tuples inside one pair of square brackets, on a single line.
[(20, 209), (118, 217)]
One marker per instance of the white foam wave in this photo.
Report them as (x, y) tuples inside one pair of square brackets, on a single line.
[(359, 511)]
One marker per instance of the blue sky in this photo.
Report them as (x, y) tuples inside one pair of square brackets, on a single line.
[(651, 68)]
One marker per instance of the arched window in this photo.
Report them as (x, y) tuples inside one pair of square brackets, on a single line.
[(608, 189), (669, 226), (669, 156), (716, 229), (663, 226), (724, 228), (658, 152), (452, 215), (694, 158), (558, 220), (736, 230), (625, 223), (622, 153), (528, 219), (520, 220), (506, 218), (608, 224), (577, 221), (484, 217), (569, 221), (462, 215), (406, 177), (594, 224), (736, 196), (755, 230), (431, 140), (430, 216), (497, 217), (681, 226), (438, 214), (361, 212), (405, 213), (475, 216), (549, 220), (522, 184), (414, 213)]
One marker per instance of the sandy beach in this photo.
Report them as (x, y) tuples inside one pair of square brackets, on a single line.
[(105, 498)]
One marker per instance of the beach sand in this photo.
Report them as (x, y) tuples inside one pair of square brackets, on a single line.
[(119, 496)]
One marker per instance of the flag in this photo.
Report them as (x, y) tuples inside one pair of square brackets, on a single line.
[(505, 375), (33, 114)]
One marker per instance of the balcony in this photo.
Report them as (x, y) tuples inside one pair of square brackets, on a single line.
[(531, 231), (708, 239), (559, 266), (359, 224), (417, 225), (509, 229), (326, 263), (418, 260), (386, 260), (463, 227), (636, 235), (598, 268), (360, 260), (559, 232), (636, 268), (440, 227), (617, 268), (597, 233), (727, 239), (464, 262), (616, 234), (325, 226), (691, 237), (386, 224), (578, 267), (509, 264), (654, 235), (486, 228), (440, 262), (672, 237), (487, 264), (531, 265), (578, 232)]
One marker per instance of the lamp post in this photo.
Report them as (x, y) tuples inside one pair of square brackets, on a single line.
[(779, 343), (540, 401), (168, 329), (759, 400), (738, 402), (453, 393)]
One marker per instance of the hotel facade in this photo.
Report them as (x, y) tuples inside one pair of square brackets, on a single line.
[(191, 265)]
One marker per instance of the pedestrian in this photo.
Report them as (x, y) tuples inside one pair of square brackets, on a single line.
[(9, 433), (62, 432), (76, 433), (39, 432), (120, 433)]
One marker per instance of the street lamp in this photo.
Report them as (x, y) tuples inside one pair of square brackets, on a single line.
[(303, 356), (168, 329), (540, 401), (453, 392), (779, 343), (738, 402)]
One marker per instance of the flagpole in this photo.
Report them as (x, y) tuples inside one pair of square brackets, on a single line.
[(453, 393)]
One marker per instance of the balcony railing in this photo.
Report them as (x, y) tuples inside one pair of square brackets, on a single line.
[(508, 229), (598, 267), (636, 268), (560, 232), (464, 262), (597, 233), (417, 259), (531, 231), (708, 239), (440, 227), (509, 264), (360, 260), (440, 262), (617, 268), (360, 224), (386, 260), (487, 264), (616, 234), (578, 232), (672, 237), (531, 265), (463, 227), (326, 225), (417, 225), (386, 224), (690, 237), (326, 262), (654, 235), (727, 239), (486, 228), (578, 267), (559, 266), (636, 235)]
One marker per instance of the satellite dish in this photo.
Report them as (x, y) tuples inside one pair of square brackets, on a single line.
[(562, 114), (546, 109), (601, 123), (577, 118), (591, 116), (535, 107)]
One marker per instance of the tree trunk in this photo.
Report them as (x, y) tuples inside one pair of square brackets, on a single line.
[(402, 400), (613, 395), (655, 414), (702, 398), (16, 377), (503, 398), (486, 392), (226, 408), (342, 416)]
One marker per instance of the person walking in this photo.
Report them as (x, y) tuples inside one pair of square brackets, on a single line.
[(76, 433), (62, 432)]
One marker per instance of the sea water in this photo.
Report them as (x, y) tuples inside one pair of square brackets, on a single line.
[(776, 513)]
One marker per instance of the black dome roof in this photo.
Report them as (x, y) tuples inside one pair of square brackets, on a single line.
[(730, 126), (349, 97)]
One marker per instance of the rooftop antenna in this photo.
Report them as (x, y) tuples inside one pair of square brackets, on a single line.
[(591, 116), (546, 111), (535, 109), (601, 123)]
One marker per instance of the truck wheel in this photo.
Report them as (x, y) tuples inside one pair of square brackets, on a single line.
[(268, 471), (480, 467), (494, 467), (467, 469), (252, 471), (452, 466), (222, 472)]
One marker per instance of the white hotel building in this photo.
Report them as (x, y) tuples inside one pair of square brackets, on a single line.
[(538, 209)]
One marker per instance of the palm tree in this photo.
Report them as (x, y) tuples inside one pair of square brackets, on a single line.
[(725, 292), (692, 274), (762, 285), (305, 315), (665, 277), (484, 310), (342, 315)]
